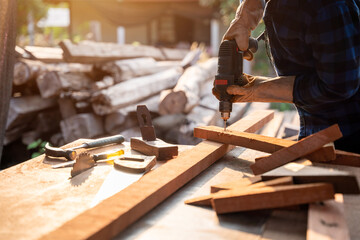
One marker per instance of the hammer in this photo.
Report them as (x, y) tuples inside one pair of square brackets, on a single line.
[(70, 153)]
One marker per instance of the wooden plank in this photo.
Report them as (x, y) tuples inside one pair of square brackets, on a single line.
[(244, 182), (45, 54), (327, 220), (92, 52), (114, 214), (346, 159), (343, 182), (270, 197), (252, 182), (239, 186), (258, 142), (299, 149)]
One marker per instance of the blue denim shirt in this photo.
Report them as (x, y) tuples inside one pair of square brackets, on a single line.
[(318, 41)]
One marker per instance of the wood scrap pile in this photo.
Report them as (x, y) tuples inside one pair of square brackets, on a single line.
[(91, 89), (294, 174)]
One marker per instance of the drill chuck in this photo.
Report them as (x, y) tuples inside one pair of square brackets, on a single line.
[(225, 108)]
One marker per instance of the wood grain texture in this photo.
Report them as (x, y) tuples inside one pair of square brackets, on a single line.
[(259, 142), (342, 181), (346, 159), (158, 148), (255, 184), (206, 200), (299, 149), (113, 214), (327, 221), (270, 197)]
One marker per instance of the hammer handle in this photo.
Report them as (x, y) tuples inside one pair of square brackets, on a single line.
[(103, 141)]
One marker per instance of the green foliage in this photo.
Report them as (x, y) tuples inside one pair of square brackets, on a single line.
[(36, 7), (37, 148), (227, 8)]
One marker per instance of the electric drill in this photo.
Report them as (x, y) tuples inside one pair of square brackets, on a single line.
[(230, 72)]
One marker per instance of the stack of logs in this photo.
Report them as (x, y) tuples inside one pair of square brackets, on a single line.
[(91, 89)]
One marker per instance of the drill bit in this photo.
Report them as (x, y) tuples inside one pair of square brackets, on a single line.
[(225, 125)]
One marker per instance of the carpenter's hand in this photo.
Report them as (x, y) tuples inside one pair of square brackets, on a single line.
[(263, 89), (248, 16)]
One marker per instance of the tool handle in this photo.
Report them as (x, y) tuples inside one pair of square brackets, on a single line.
[(104, 141)]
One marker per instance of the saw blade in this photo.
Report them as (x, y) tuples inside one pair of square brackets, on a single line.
[(83, 162)]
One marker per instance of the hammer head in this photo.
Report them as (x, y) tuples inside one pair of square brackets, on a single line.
[(58, 152)]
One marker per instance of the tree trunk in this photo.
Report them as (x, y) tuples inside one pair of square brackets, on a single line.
[(7, 53), (132, 91), (52, 83), (186, 94)]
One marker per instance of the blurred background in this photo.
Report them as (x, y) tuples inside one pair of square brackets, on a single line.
[(67, 87)]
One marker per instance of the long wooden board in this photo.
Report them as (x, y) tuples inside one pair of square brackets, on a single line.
[(299, 149), (327, 220), (114, 214), (259, 142), (270, 197)]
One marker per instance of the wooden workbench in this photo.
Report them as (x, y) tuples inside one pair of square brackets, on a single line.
[(36, 199)]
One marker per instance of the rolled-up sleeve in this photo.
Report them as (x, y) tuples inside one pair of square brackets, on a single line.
[(334, 36)]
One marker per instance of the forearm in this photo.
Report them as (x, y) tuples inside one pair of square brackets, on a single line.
[(262, 89), (279, 89)]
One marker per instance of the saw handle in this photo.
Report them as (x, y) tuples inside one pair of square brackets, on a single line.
[(104, 141)]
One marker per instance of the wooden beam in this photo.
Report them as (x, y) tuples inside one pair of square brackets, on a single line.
[(244, 182), (259, 142), (270, 197), (114, 214), (239, 186), (327, 220), (346, 159), (343, 182), (299, 149)]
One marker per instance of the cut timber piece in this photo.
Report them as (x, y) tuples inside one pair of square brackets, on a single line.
[(187, 90), (158, 148), (132, 91), (174, 53), (239, 186), (24, 109), (346, 158), (45, 54), (343, 182), (52, 83), (259, 142), (123, 70), (113, 215), (85, 125), (27, 70), (327, 220), (92, 52), (244, 182), (299, 149), (270, 197)]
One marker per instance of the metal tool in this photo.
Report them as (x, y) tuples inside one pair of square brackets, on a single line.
[(70, 153), (96, 157), (86, 160), (230, 72), (146, 127)]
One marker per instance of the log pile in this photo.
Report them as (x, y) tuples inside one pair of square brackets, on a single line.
[(91, 89)]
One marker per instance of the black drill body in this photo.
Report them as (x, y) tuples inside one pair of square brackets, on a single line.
[(230, 72)]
